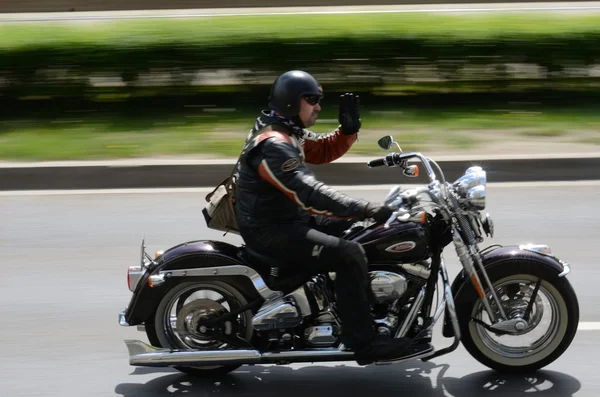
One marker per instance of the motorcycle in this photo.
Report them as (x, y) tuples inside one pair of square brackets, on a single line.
[(209, 307)]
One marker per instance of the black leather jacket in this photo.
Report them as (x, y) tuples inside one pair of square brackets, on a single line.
[(275, 186)]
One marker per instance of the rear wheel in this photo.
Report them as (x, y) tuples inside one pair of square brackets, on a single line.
[(175, 322), (551, 327)]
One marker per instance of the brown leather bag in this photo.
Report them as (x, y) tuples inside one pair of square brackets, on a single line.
[(219, 213)]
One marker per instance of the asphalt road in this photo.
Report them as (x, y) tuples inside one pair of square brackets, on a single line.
[(64, 260)]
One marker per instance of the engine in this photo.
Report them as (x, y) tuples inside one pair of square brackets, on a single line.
[(311, 308), (325, 330), (387, 286), (313, 302)]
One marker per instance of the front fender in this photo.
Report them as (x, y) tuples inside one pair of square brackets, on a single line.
[(191, 256), (499, 256)]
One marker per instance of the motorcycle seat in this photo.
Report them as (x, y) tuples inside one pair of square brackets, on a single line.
[(276, 274)]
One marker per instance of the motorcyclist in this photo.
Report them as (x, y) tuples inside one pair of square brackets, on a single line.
[(284, 212)]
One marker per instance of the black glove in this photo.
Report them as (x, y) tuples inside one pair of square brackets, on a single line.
[(380, 213), (349, 116)]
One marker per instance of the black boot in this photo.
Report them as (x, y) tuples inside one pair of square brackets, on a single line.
[(383, 348)]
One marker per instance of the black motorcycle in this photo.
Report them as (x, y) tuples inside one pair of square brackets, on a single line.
[(208, 307)]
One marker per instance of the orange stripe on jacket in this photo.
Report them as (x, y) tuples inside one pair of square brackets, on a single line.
[(279, 136), (265, 172), (327, 149)]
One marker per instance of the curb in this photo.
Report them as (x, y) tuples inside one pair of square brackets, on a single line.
[(211, 8), (347, 173)]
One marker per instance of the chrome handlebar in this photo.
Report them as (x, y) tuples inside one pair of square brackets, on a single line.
[(394, 159)]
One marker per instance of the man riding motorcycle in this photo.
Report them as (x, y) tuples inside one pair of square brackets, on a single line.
[(285, 213)]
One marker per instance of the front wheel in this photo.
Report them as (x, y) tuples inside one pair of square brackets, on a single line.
[(552, 324)]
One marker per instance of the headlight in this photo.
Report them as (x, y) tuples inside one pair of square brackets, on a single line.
[(471, 188), (476, 197)]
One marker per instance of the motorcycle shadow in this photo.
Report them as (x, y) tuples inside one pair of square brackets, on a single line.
[(411, 378)]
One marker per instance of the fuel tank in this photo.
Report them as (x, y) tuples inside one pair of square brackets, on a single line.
[(402, 242)]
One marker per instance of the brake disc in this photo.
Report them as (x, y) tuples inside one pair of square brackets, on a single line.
[(192, 313)]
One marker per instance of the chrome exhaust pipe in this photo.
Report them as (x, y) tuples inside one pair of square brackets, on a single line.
[(142, 354)]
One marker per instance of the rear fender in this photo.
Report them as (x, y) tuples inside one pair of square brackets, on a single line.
[(189, 261), (498, 257)]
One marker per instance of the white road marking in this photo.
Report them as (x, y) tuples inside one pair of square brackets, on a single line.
[(76, 192), (358, 188), (589, 326), (325, 10)]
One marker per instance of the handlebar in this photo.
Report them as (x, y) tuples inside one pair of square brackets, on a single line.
[(376, 163), (437, 190), (393, 159), (389, 160)]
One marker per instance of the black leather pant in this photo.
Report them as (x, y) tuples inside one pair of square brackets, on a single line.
[(316, 248)]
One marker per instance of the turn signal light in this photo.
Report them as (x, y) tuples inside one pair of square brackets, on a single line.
[(416, 170), (411, 171), (155, 280), (420, 217)]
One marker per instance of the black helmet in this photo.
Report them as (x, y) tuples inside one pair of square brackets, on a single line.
[(289, 88)]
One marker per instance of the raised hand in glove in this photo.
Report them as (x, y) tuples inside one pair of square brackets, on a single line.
[(349, 116), (380, 213)]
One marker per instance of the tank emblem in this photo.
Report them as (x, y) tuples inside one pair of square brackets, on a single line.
[(401, 247)]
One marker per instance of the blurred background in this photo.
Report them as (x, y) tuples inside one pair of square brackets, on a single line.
[(82, 86)]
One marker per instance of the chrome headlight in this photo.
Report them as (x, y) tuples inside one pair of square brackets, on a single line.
[(471, 188)]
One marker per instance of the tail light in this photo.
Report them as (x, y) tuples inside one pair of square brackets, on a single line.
[(134, 274)]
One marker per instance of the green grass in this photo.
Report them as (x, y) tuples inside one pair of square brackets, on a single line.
[(199, 133), (125, 33)]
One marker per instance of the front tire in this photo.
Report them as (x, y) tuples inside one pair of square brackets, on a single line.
[(172, 325), (514, 282)]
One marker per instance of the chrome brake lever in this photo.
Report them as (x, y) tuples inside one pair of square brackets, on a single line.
[(396, 203), (391, 219), (401, 215)]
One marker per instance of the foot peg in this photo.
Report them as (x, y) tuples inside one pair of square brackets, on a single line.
[(411, 353)]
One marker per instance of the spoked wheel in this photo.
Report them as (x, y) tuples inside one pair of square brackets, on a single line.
[(550, 326), (178, 315)]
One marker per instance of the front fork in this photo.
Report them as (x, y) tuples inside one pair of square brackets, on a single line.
[(467, 256)]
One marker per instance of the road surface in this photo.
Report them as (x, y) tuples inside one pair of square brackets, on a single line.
[(64, 282)]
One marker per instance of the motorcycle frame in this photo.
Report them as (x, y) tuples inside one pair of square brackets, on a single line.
[(181, 263), (164, 271), (183, 260)]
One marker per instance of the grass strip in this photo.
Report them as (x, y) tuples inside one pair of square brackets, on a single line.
[(216, 131)]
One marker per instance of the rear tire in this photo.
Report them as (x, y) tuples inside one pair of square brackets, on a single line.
[(161, 332), (512, 276)]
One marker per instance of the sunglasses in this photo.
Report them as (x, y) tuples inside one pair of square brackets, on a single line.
[(313, 99)]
